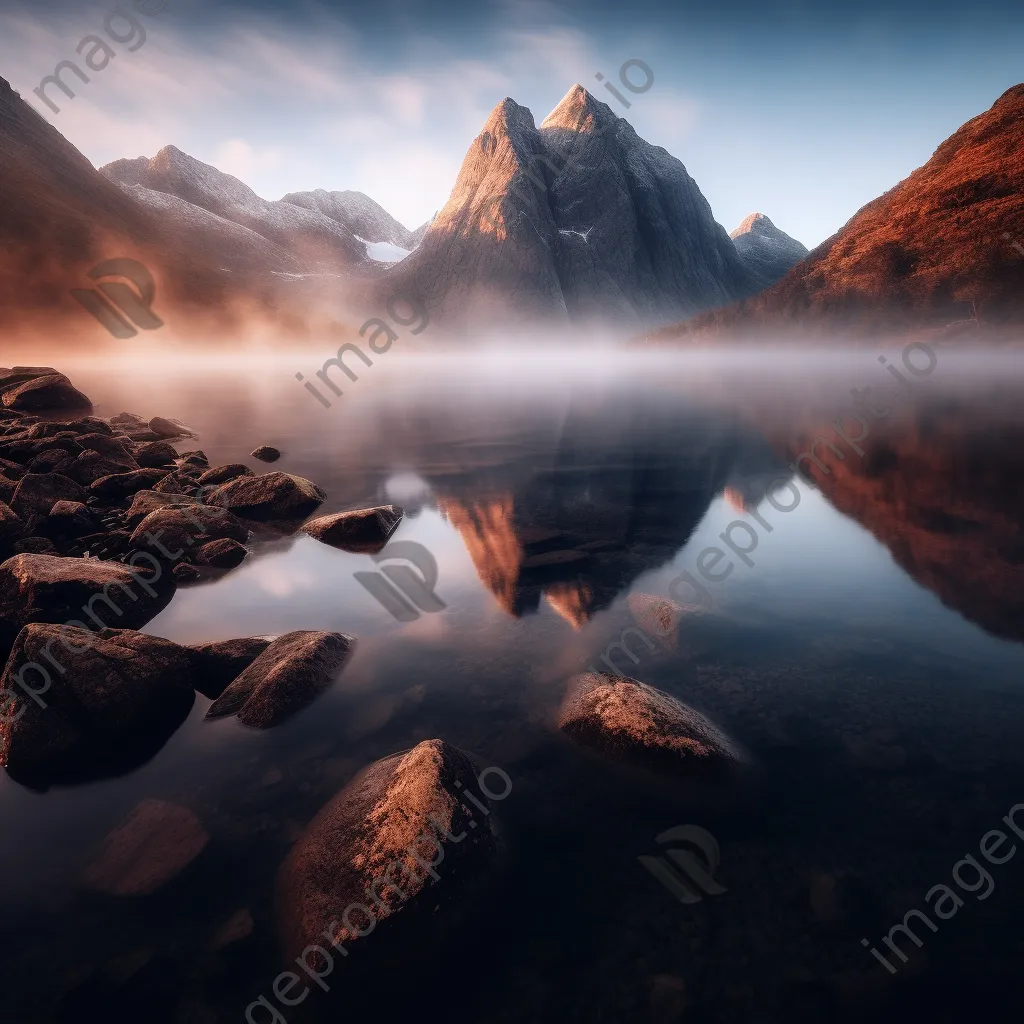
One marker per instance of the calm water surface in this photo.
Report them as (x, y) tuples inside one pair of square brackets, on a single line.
[(869, 657)]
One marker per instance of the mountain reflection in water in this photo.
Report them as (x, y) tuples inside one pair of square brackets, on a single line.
[(869, 659)]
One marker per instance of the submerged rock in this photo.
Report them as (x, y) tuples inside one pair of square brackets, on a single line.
[(365, 858), (110, 702), (266, 453), (154, 844), (364, 530), (628, 719), (216, 664), (292, 672), (44, 394), (46, 588), (269, 496)]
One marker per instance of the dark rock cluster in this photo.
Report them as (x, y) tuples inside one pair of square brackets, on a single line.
[(100, 521)]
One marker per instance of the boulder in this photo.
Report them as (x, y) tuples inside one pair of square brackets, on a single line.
[(35, 545), (46, 461), (364, 530), (185, 573), (170, 484), (197, 459), (21, 452), (154, 844), (364, 860), (11, 525), (7, 488), (89, 425), (90, 704), (91, 466), (184, 528), (216, 664), (39, 492), (45, 588), (71, 519), (109, 544), (168, 428), (265, 453), (220, 554), (627, 719), (145, 502), (107, 444), (292, 672), (19, 374), (155, 454), (45, 394), (269, 497), (115, 488), (222, 474)]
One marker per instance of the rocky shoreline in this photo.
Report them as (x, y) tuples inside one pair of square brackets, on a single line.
[(100, 521)]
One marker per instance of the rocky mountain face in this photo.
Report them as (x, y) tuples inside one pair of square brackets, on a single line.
[(61, 217), (358, 214), (316, 240), (768, 253), (579, 218), (949, 237)]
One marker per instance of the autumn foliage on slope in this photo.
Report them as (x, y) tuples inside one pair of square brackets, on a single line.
[(924, 253)]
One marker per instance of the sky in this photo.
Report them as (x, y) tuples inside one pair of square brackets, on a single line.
[(801, 111)]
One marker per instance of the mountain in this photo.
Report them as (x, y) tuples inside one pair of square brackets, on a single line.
[(950, 235), (362, 218), (316, 240), (767, 252), (60, 217), (577, 219)]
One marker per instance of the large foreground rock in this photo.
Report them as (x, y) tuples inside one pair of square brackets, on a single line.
[(153, 845), (110, 702), (370, 845), (364, 530), (218, 662), (45, 394), (292, 672), (269, 497), (630, 720), (47, 588)]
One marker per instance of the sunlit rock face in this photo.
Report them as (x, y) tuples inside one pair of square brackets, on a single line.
[(579, 219), (943, 238)]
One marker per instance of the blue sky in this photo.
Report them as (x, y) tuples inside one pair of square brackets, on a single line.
[(802, 111)]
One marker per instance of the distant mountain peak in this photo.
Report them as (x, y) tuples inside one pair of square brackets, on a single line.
[(578, 110), (758, 224)]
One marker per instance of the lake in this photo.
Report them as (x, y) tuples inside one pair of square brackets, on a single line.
[(859, 634)]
